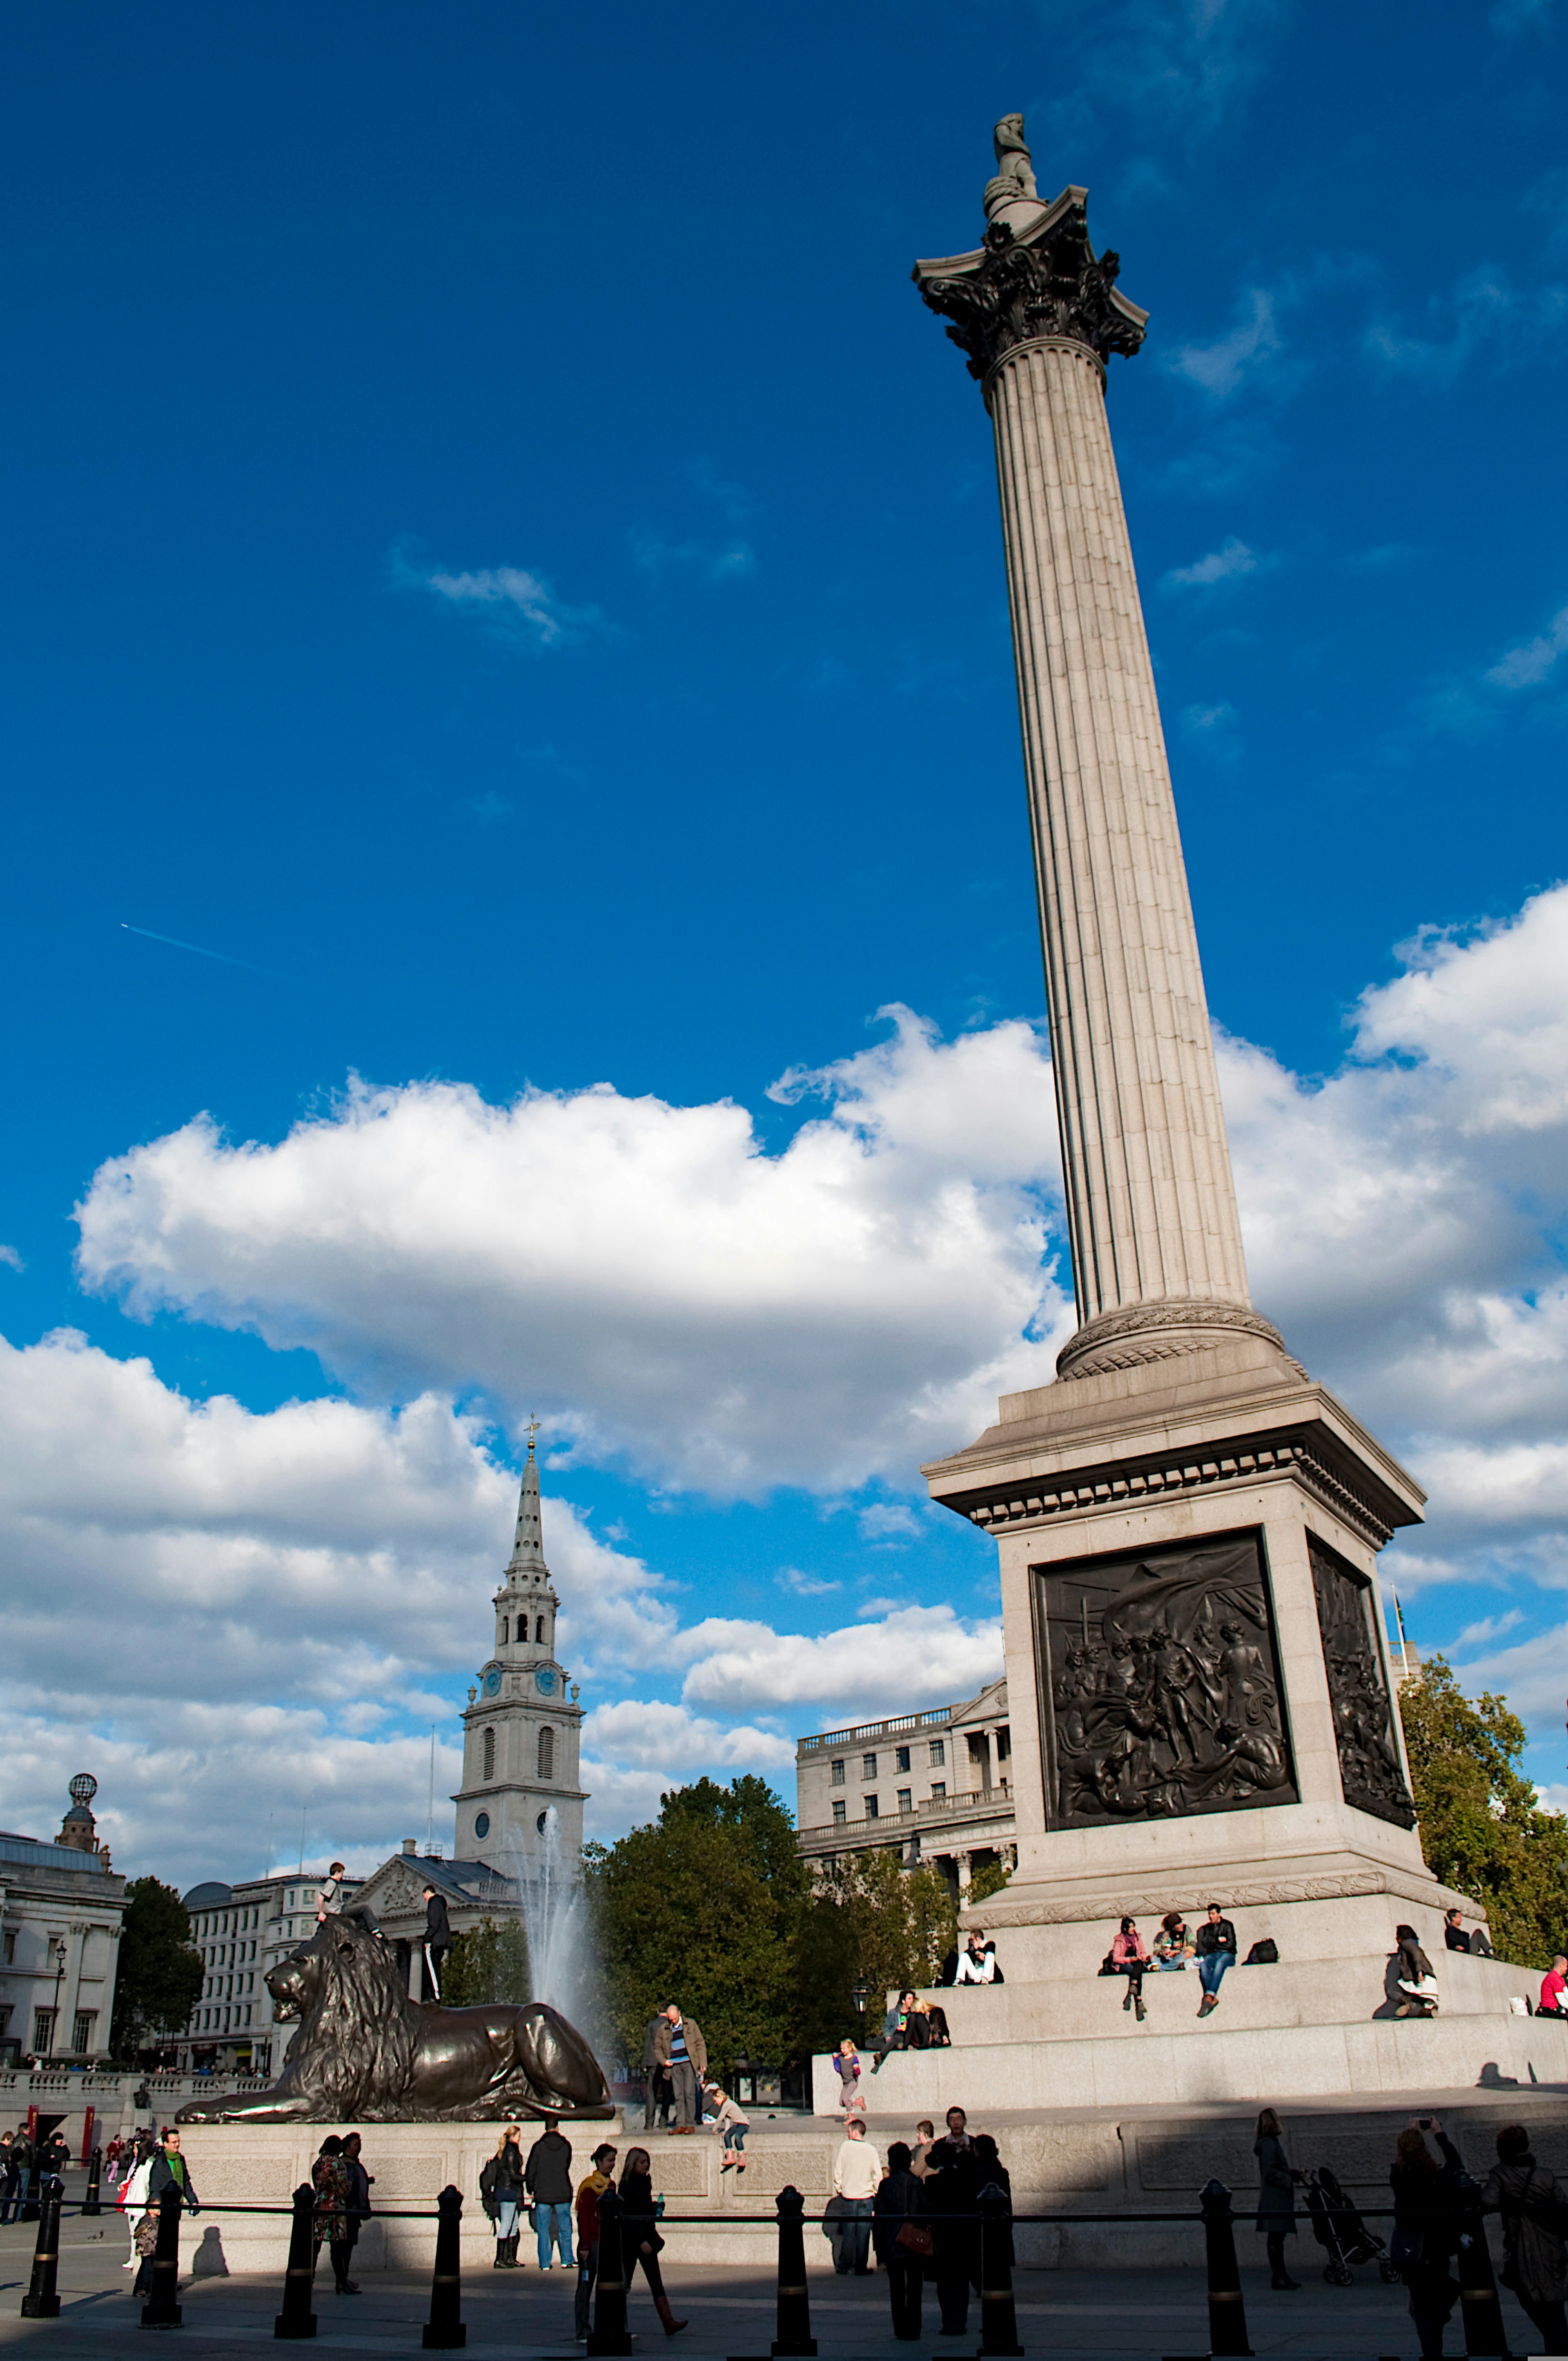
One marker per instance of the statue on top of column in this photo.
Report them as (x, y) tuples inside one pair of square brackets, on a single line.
[(1015, 167)]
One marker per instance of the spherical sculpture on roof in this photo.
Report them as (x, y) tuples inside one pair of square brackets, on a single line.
[(83, 1787)]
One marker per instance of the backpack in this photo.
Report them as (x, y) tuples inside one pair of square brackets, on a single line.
[(1263, 1954)]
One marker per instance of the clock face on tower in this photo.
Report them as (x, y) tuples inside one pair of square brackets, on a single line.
[(545, 1680), (492, 1682)]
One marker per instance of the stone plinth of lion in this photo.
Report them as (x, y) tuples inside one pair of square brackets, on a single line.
[(365, 2053)]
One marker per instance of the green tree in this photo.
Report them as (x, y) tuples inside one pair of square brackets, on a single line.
[(702, 1907), (989, 1879), (159, 1980), (487, 1963), (1481, 1828), (873, 1925)]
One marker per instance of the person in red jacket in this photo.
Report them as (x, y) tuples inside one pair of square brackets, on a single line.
[(589, 2192)]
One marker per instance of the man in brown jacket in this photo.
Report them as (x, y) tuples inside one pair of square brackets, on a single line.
[(678, 2044)]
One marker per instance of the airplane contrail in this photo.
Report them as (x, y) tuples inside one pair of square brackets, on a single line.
[(173, 940)]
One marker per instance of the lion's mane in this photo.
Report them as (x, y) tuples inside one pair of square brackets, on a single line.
[(353, 2053)]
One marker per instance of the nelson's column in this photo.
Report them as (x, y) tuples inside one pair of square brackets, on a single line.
[(1187, 1523)]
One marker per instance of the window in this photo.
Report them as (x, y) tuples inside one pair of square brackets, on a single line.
[(938, 1752), (836, 1774), (547, 1752), (840, 1811), (872, 1810), (489, 1770), (907, 1799), (43, 2031), (10, 1947), (868, 1767), (938, 1791), (82, 2031), (503, 1630), (1003, 1744), (539, 1632), (901, 1759)]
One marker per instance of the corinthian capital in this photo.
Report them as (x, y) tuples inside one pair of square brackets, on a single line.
[(1046, 282)]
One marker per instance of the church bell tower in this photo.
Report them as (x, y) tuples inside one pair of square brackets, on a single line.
[(522, 1729)]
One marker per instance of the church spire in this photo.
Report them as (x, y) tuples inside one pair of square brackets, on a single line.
[(528, 1548)]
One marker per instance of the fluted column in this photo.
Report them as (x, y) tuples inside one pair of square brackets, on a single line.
[(1151, 1204)]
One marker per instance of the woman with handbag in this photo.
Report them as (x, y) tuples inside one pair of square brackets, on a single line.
[(1535, 2214), (639, 2233), (1426, 2228), (500, 2193), (903, 2242), (1129, 1957)]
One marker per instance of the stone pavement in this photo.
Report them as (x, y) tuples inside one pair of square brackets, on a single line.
[(1062, 2314)]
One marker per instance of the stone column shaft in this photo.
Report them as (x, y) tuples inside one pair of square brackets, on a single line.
[(1151, 1205)]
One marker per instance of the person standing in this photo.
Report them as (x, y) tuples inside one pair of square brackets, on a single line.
[(680, 2047), (500, 2193), (655, 2085), (53, 2158), (1426, 2228), (1275, 2197), (133, 2196), (438, 1937), (640, 2233), (1531, 2201), (925, 2141), (897, 2206), (547, 2177), (329, 2177), (847, 2065), (168, 2169), (857, 2169), (951, 2189), (1216, 1953), (596, 2184), (360, 2184), (11, 2176)]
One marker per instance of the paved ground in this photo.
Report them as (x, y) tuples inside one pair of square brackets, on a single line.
[(1064, 2315)]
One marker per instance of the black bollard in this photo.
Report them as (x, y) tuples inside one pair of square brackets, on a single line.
[(1480, 2309), (794, 2336), (608, 2333), (1227, 2314), (444, 2330), (94, 2181), (998, 2317), (161, 2310), (40, 2303), (297, 2319)]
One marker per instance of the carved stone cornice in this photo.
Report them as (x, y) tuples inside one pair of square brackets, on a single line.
[(1247, 1894), (1047, 283), (1212, 1466)]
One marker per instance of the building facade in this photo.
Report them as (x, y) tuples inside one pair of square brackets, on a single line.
[(936, 1785), (61, 1909), (242, 1930)]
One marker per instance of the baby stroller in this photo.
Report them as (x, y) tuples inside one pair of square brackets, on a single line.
[(1340, 2230)]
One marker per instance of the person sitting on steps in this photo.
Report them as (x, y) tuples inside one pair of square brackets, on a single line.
[(1129, 1957)]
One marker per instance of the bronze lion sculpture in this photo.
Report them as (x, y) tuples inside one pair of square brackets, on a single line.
[(365, 2053)]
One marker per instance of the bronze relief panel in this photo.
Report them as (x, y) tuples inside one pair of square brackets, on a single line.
[(1160, 1674), (1370, 1770)]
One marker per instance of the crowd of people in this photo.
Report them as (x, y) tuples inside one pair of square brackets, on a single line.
[(918, 2214), (1434, 2199)]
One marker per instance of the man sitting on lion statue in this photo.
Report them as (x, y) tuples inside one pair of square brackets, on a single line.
[(365, 2052)]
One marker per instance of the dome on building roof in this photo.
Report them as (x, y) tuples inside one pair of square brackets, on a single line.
[(211, 1896)]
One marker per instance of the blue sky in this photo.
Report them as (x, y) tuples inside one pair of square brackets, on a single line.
[(501, 556)]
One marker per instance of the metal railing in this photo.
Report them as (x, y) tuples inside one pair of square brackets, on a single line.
[(940, 1716), (611, 2267)]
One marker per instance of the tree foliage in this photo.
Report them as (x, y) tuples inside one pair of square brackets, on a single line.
[(159, 1980), (989, 1879), (1481, 1828), (701, 1907), (487, 1963)]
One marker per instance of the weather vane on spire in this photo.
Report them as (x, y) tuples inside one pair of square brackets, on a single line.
[(533, 1431)]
